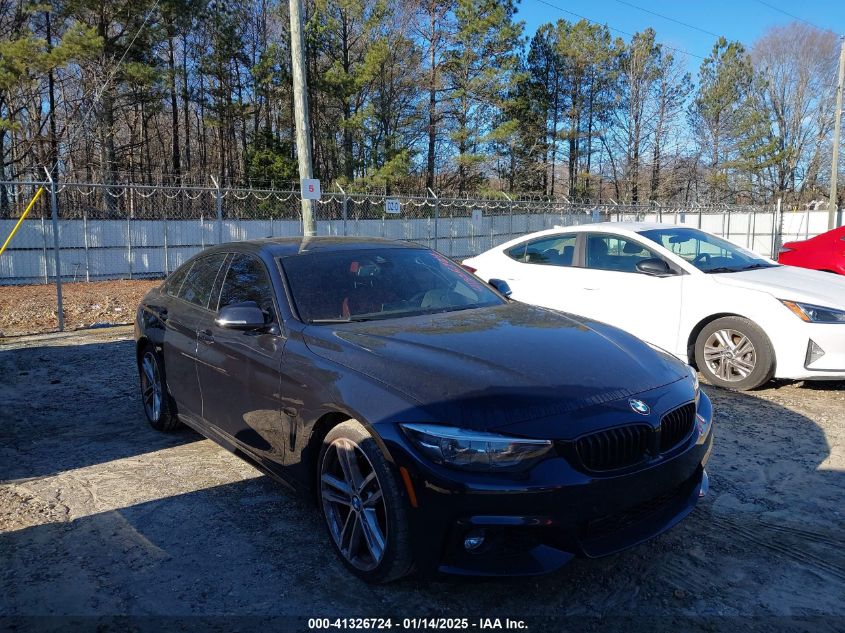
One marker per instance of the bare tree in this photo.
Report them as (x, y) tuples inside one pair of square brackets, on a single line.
[(798, 65)]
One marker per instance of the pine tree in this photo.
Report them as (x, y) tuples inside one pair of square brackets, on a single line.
[(726, 117), (479, 70)]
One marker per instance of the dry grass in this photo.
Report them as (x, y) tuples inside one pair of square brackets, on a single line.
[(32, 309)]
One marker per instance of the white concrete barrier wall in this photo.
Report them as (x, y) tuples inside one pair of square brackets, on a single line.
[(102, 249)]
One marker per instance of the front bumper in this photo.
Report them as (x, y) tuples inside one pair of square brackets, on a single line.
[(535, 522), (791, 352)]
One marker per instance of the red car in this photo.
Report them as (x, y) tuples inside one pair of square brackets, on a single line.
[(824, 252)]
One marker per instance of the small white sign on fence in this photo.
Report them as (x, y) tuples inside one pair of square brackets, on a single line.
[(477, 215), (391, 205), (310, 188)]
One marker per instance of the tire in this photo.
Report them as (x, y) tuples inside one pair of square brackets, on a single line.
[(162, 417), (734, 353), (352, 513)]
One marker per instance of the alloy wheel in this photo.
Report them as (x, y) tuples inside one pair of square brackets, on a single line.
[(353, 504), (151, 388), (730, 355)]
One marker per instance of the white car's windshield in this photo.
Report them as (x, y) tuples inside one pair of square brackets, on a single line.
[(708, 253)]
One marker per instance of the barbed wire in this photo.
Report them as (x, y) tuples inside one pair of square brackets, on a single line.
[(408, 202)]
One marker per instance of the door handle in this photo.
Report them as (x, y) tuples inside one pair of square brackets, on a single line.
[(205, 336), (592, 288)]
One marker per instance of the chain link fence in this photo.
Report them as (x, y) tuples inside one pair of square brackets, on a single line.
[(141, 231)]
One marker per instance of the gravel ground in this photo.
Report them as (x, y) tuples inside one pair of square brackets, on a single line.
[(31, 309), (101, 515)]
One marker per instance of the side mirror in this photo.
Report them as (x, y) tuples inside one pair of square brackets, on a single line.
[(502, 286), (241, 316), (654, 266)]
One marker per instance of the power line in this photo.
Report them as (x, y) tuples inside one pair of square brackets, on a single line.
[(626, 33), (793, 16), (666, 17)]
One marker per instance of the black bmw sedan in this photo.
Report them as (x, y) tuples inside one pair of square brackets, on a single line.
[(439, 426)]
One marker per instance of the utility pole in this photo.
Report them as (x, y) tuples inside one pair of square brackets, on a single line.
[(54, 143), (300, 109), (837, 132)]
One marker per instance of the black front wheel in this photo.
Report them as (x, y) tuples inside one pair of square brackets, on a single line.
[(362, 505), (158, 404)]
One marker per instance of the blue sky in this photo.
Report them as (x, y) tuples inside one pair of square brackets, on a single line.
[(743, 20)]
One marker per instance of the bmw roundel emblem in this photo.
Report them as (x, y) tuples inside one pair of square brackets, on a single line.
[(639, 406)]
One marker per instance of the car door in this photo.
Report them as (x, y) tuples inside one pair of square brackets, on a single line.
[(239, 371), (187, 311), (542, 271), (648, 306)]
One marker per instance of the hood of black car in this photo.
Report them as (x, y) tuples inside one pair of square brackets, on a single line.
[(486, 368)]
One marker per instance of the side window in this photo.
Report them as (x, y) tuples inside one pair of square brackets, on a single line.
[(174, 281), (616, 253), (199, 282), (247, 280), (557, 250)]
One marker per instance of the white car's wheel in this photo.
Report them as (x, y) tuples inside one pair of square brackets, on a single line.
[(734, 353)]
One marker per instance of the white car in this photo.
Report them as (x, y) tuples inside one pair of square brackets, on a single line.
[(740, 318)]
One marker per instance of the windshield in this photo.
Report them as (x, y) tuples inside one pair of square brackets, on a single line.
[(362, 285), (708, 253)]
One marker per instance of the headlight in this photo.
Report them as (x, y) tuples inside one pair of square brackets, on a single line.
[(815, 314), (696, 384), (475, 450)]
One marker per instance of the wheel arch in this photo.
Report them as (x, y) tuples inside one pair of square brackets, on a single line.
[(325, 423), (140, 345), (703, 323), (311, 451)]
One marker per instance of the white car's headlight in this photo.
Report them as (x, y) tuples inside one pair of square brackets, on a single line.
[(815, 314), (476, 450)]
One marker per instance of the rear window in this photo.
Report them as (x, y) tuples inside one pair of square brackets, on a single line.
[(199, 282), (174, 281), (557, 250)]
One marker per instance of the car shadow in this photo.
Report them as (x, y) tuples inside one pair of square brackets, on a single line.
[(767, 541), (68, 407)]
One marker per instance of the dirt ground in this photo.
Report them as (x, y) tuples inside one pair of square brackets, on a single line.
[(31, 309), (101, 515)]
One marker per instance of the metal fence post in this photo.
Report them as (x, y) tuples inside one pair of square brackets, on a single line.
[(510, 207), (777, 227), (129, 215), (752, 228), (85, 243), (54, 205), (510, 221), (451, 229), (344, 208), (436, 218), (164, 227), (807, 228), (44, 249), (219, 207)]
